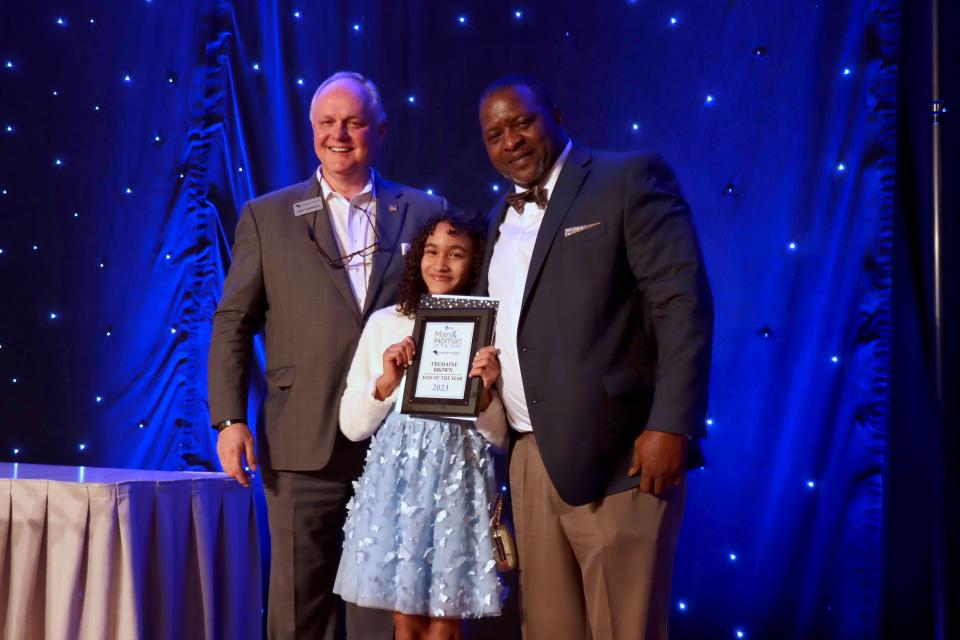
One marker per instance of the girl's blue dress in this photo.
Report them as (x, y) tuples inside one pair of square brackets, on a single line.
[(417, 535)]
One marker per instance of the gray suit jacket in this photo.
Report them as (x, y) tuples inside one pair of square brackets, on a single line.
[(279, 282), (616, 322)]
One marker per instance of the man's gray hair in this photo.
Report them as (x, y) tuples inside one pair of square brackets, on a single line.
[(364, 82)]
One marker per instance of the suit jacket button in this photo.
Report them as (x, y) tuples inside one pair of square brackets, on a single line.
[(534, 401)]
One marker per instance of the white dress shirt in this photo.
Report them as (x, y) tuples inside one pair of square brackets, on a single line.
[(352, 221), (361, 413), (507, 278)]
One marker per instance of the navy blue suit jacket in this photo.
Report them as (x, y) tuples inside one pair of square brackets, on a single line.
[(616, 321)]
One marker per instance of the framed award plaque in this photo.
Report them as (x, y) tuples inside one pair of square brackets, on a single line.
[(448, 332)]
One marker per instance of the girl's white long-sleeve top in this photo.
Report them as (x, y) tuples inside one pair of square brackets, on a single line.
[(361, 413)]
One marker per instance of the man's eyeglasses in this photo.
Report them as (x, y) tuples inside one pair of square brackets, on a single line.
[(342, 261)]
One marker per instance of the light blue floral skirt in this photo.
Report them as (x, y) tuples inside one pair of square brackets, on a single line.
[(417, 535)]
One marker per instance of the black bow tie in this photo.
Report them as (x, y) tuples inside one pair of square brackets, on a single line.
[(537, 195)]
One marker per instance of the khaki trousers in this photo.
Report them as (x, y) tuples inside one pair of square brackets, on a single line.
[(599, 571)]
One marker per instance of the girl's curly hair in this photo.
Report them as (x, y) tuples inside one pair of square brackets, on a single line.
[(412, 286)]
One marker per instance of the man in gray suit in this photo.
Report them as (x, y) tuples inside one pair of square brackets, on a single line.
[(310, 263)]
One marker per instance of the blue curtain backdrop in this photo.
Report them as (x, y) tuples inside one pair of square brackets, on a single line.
[(133, 132)]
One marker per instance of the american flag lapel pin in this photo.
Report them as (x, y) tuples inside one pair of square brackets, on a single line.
[(392, 208)]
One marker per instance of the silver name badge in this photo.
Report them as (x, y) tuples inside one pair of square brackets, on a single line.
[(308, 206)]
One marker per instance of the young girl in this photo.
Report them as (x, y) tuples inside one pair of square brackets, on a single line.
[(417, 535)]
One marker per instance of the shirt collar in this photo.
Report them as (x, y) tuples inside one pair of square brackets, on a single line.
[(554, 171), (328, 190)]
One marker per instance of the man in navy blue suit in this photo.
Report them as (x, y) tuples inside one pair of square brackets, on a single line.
[(605, 328)]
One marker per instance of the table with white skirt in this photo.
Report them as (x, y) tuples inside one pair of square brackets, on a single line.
[(125, 553)]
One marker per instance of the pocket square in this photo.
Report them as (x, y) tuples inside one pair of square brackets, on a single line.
[(571, 231), (404, 247)]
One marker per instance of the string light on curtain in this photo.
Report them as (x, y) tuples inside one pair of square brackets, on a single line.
[(518, 15), (462, 19), (9, 128), (495, 188), (412, 99), (792, 246), (674, 21)]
